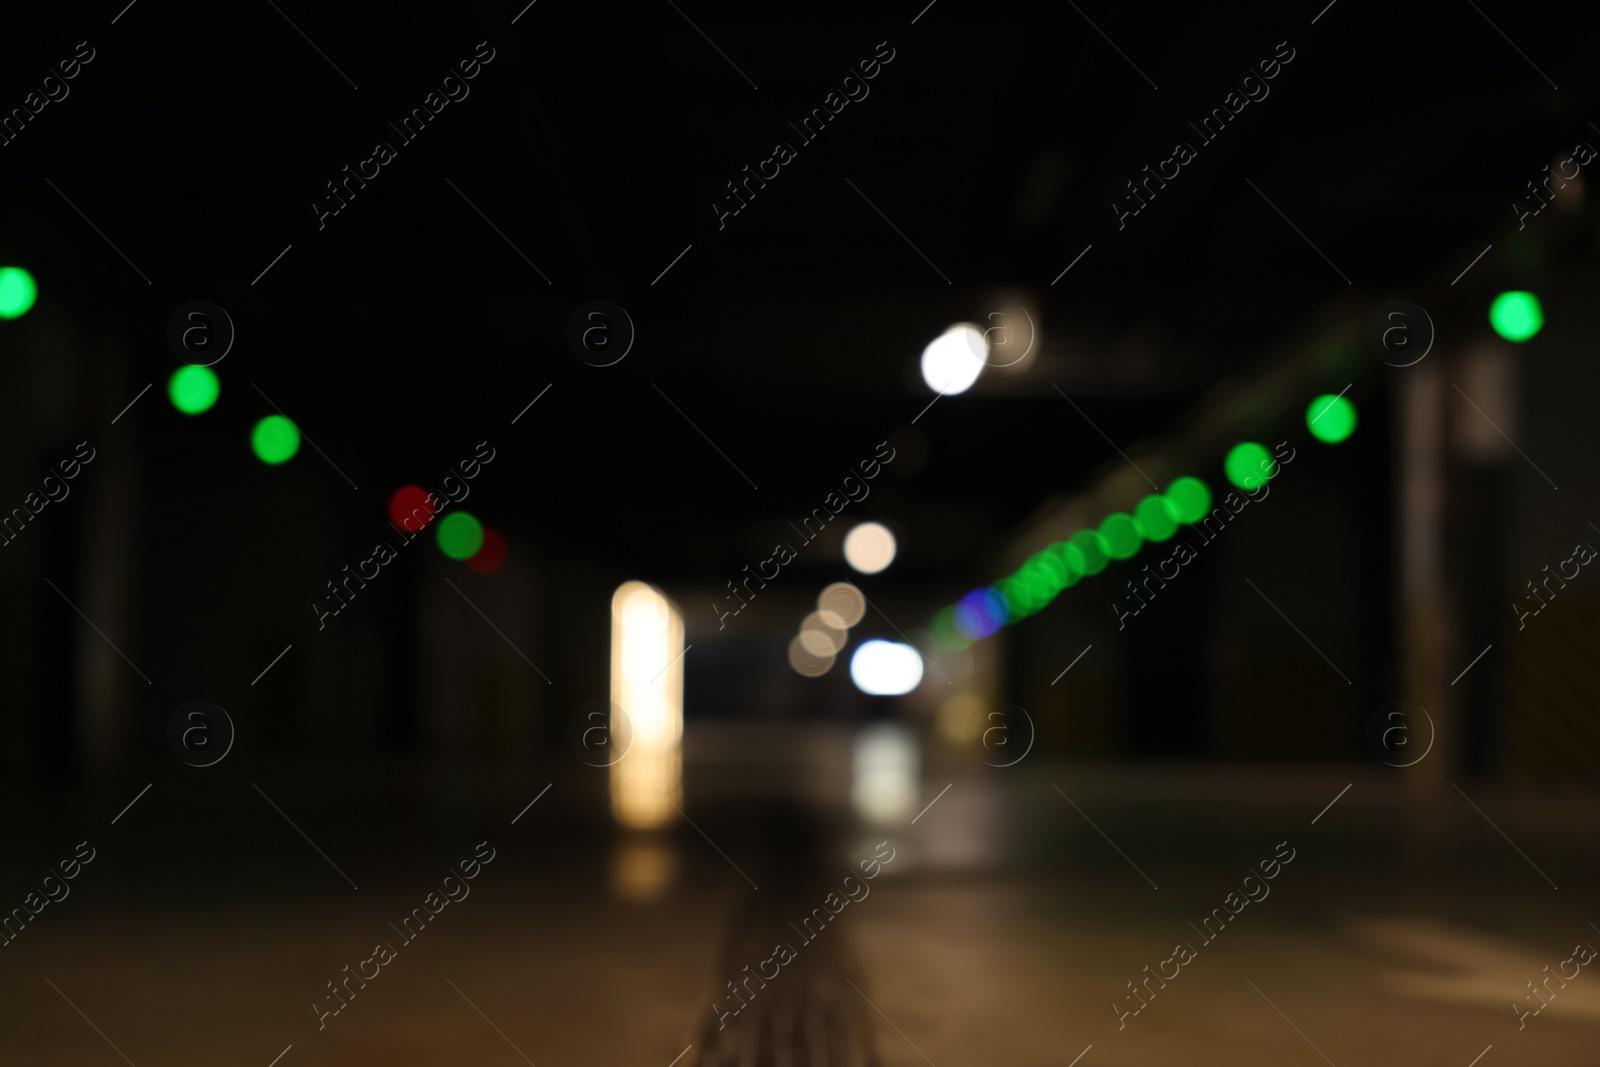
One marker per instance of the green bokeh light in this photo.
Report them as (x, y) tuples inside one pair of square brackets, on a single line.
[(1156, 518), (1019, 602), (945, 632), (1072, 559), (274, 439), (1120, 534), (1040, 580), (1023, 595), (1331, 418), (193, 389), (1516, 315), (17, 292), (1244, 465), (1190, 498), (460, 535), (1093, 550), (1037, 585), (1051, 571)]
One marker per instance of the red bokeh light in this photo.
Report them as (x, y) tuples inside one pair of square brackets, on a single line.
[(489, 557), (410, 505)]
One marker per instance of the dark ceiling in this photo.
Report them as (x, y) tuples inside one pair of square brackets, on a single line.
[(986, 158)]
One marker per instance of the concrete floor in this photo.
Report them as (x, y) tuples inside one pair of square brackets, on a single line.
[(1005, 936)]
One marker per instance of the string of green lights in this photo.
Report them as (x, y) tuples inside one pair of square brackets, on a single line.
[(1515, 316)]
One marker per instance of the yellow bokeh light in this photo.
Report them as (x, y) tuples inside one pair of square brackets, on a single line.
[(647, 684), (843, 600)]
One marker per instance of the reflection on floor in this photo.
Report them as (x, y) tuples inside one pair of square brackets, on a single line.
[(1018, 923)]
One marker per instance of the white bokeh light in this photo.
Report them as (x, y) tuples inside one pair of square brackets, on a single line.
[(886, 668), (869, 547), (953, 360)]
